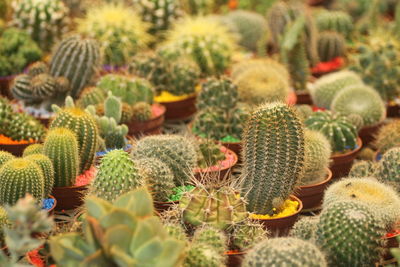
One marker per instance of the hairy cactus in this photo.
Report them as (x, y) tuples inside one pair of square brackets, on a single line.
[(209, 153), (210, 236), (382, 199), (46, 166), (360, 100), (19, 177), (341, 134), (5, 156), (326, 88), (284, 251), (350, 234), (176, 151), (362, 168), (21, 126), (77, 59), (141, 111), (247, 234), (271, 127), (201, 255), (331, 45), (90, 96), (305, 228), (388, 136), (61, 146), (338, 21), (387, 170), (317, 152)]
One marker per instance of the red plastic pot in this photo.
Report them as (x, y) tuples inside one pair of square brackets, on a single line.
[(341, 163)]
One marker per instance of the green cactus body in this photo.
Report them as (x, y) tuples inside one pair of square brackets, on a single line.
[(91, 96), (278, 18), (85, 128), (5, 110), (304, 111), (209, 153), (61, 146), (201, 255), (247, 234), (36, 68), (299, 67), (331, 45), (77, 59), (317, 151), (305, 228), (142, 111), (212, 237), (117, 175), (341, 134), (284, 251), (183, 76), (46, 166), (269, 178), (176, 231), (362, 168), (176, 151), (19, 177), (3, 222), (218, 207), (326, 88), (21, 126), (388, 136), (268, 64), (31, 89), (33, 149), (350, 234), (218, 92), (5, 156), (388, 169), (158, 177), (338, 21), (356, 120), (360, 100), (113, 108)]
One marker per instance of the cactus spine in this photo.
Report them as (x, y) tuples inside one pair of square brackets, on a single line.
[(5, 156), (388, 169), (201, 255), (46, 166), (362, 168), (388, 136), (305, 228), (90, 96), (21, 126), (247, 234), (212, 237)]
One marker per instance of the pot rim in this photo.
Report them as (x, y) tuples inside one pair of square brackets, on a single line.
[(299, 209), (234, 253), (355, 150), (329, 177)]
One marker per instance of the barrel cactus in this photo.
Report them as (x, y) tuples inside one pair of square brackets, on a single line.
[(212, 237), (387, 170), (217, 92), (388, 136), (21, 126), (141, 111), (5, 156), (37, 68), (303, 111), (46, 166), (362, 168), (209, 153), (90, 96), (247, 234), (338, 21), (176, 230), (201, 255), (331, 45), (305, 228), (33, 149)]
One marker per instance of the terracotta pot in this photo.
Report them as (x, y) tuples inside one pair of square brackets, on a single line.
[(5, 83), (291, 99), (16, 149), (368, 133), (163, 206), (51, 210), (341, 164), (180, 110), (281, 226), (393, 111), (311, 195), (234, 258), (304, 98), (152, 126), (69, 197)]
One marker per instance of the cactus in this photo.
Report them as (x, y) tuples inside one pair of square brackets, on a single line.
[(331, 45), (271, 127), (198, 7), (317, 152), (212, 237), (3, 222), (338, 21), (46, 166), (158, 177), (19, 177), (33, 149), (265, 63), (298, 65), (356, 120), (387, 170), (77, 59), (350, 234), (38, 67), (21, 126), (341, 134), (142, 111), (305, 228), (209, 153), (247, 234), (113, 107), (118, 29), (303, 111), (284, 251), (45, 20), (61, 146), (326, 88), (362, 168), (5, 109), (201, 255), (90, 96), (388, 136), (176, 231), (183, 76), (5, 156), (176, 151), (199, 207), (380, 198), (217, 92), (360, 100)]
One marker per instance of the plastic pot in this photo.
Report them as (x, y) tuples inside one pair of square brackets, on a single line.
[(368, 133), (149, 127), (341, 163), (180, 110), (15, 149)]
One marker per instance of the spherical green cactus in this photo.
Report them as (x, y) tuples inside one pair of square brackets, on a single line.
[(360, 100), (90, 96), (61, 146), (46, 166), (338, 21), (127, 113), (271, 127), (303, 111), (382, 199), (213, 237), (317, 153), (33, 149), (183, 76), (326, 88), (247, 234), (21, 126), (340, 133), (85, 128), (5, 110), (305, 228), (176, 231), (388, 169), (258, 63), (19, 177), (36, 68), (350, 234), (176, 151), (76, 58), (33, 89), (388, 136), (117, 175), (356, 120), (209, 153), (284, 251), (142, 111), (362, 168), (217, 92), (201, 255), (331, 45), (5, 156), (158, 177)]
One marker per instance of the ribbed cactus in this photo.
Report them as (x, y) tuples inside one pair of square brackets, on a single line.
[(360, 100), (198, 7), (388, 136), (45, 20), (350, 234), (331, 45), (303, 111), (217, 92), (5, 156), (76, 58), (209, 153), (326, 88), (19, 177), (247, 234), (33, 149), (141, 111), (176, 151), (284, 251), (85, 128), (3, 222), (117, 175), (338, 21), (90, 96), (305, 228), (362, 168), (157, 176), (21, 126), (6, 109), (298, 65), (270, 177), (201, 255), (183, 76), (210, 236), (388, 169), (199, 207), (356, 120), (38, 67), (317, 155), (341, 134), (46, 166), (61, 146)]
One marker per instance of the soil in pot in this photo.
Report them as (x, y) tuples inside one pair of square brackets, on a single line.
[(341, 163), (149, 127)]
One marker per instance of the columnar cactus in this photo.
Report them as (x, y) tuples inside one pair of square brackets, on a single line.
[(45, 20), (61, 146), (5, 156), (21, 126), (305, 228), (388, 169), (284, 251), (76, 58), (350, 234), (19, 177), (338, 21), (213, 237), (388, 136), (330, 45), (33, 149), (362, 168), (298, 65), (341, 134), (268, 182), (46, 165), (90, 96), (247, 234)]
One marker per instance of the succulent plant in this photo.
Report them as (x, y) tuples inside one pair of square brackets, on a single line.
[(327, 87), (176, 151), (201, 255), (387, 170), (6, 109), (46, 20), (341, 134), (247, 234), (362, 168), (209, 153), (388, 136), (76, 58), (210, 236), (62, 148), (338, 21), (271, 127), (219, 93), (119, 30), (21, 126), (350, 234), (356, 120), (5, 156), (360, 100), (265, 63), (303, 111), (176, 231), (331, 45), (3, 223), (46, 165), (36, 68), (91, 96), (305, 228), (284, 251), (141, 111)]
